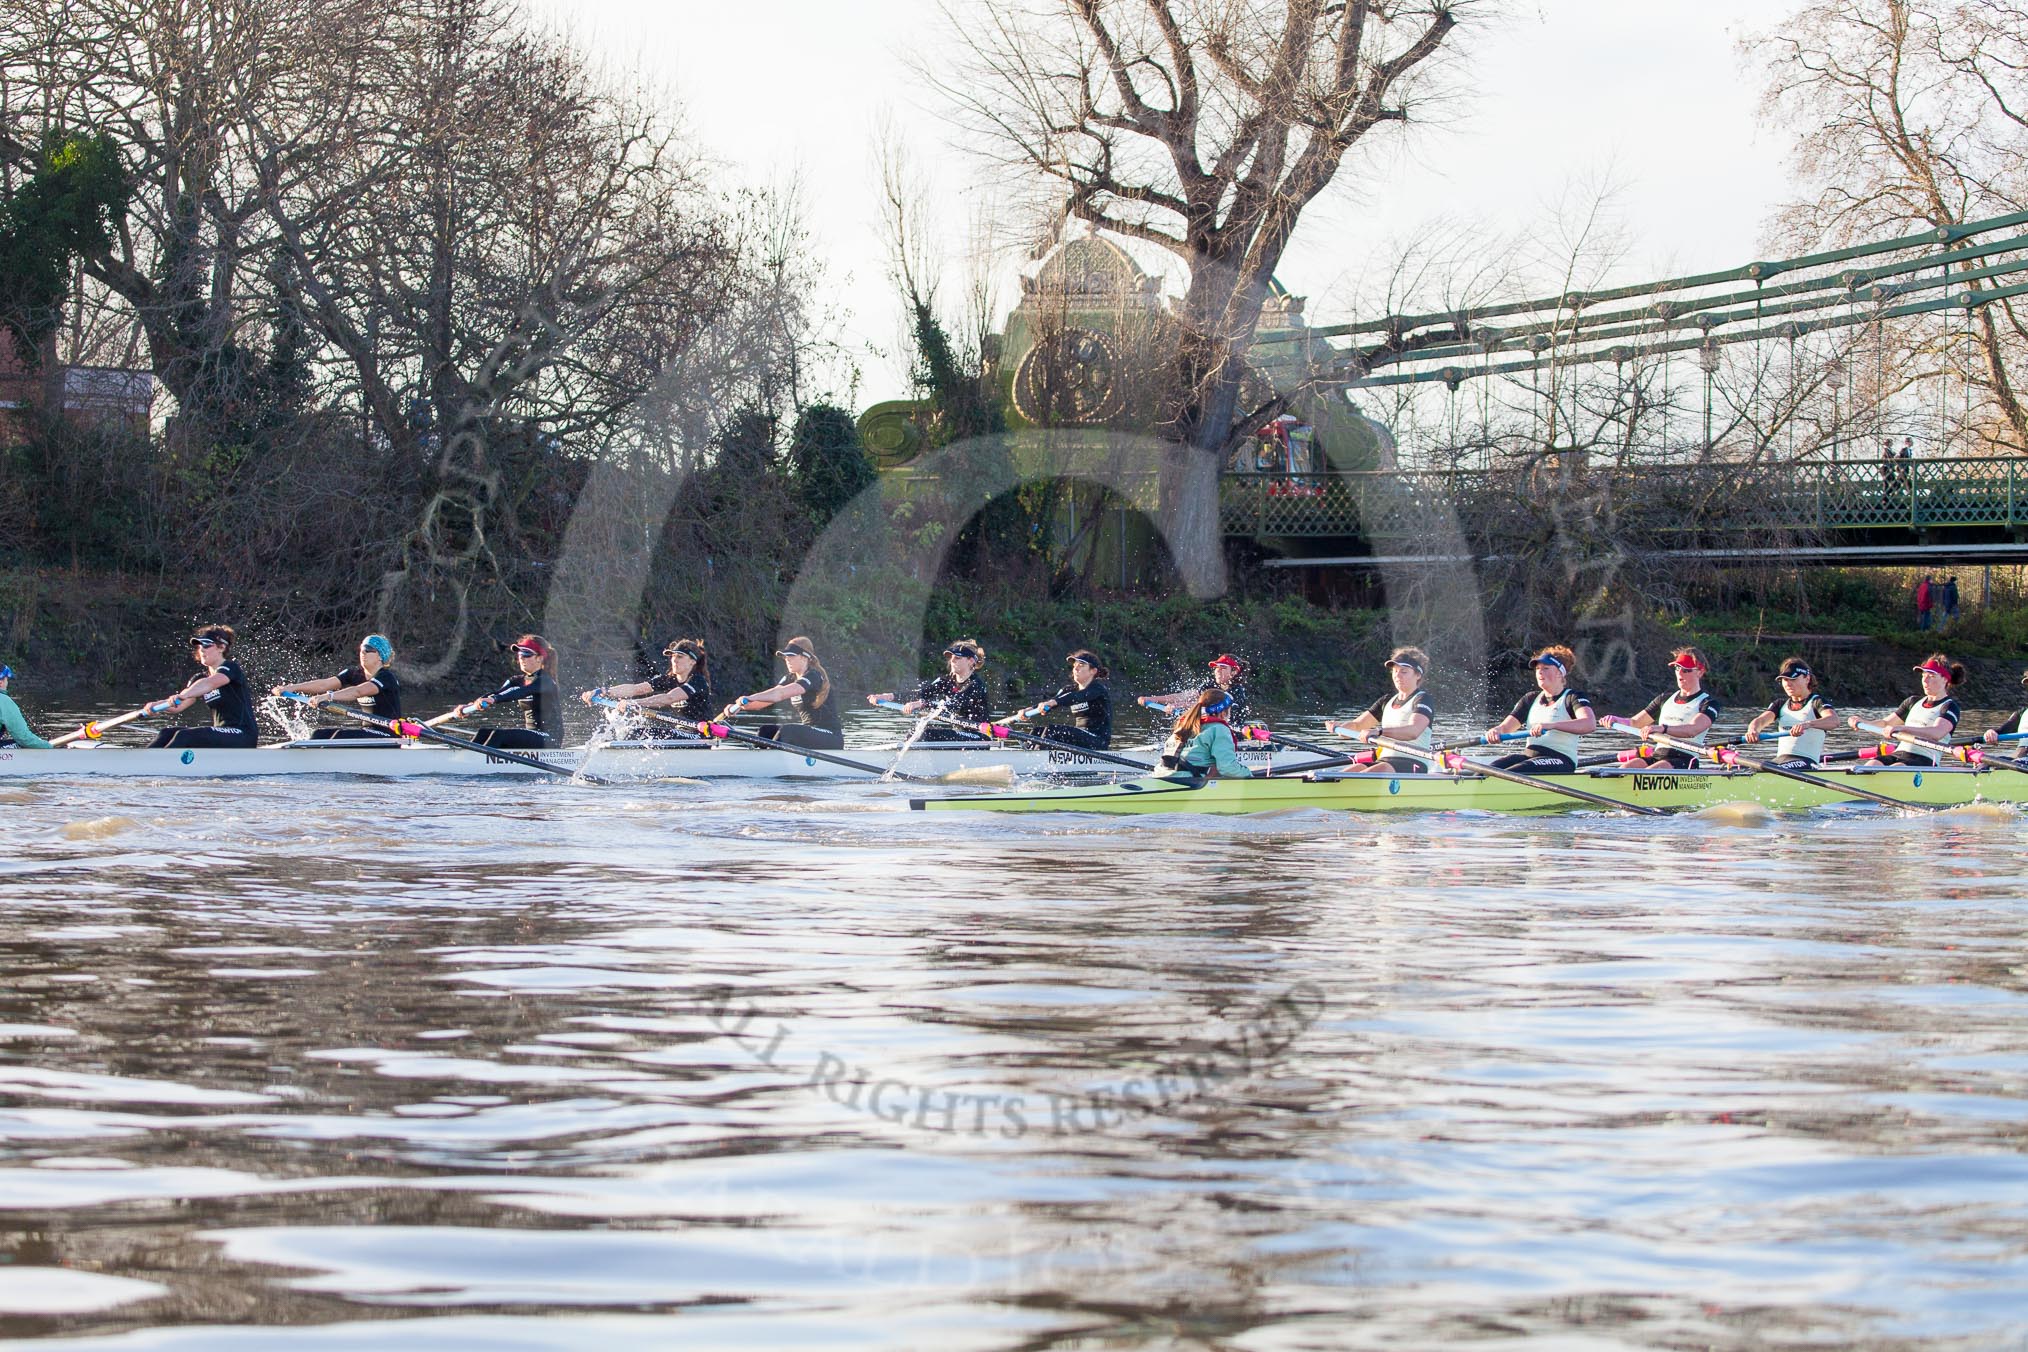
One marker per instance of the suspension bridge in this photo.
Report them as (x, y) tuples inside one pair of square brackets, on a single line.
[(1805, 366)]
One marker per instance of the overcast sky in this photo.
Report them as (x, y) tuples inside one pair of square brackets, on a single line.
[(1653, 94)]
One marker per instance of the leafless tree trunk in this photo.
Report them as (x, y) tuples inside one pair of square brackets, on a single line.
[(1912, 114), (1206, 128)]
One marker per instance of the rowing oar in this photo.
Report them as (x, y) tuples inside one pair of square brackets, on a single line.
[(1335, 757), (2014, 763), (91, 732), (978, 774), (1001, 732), (1976, 752), (1282, 739), (1457, 763), (409, 728), (1729, 757), (726, 731), (1943, 750)]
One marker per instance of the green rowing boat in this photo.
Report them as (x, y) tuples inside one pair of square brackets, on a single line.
[(1675, 790)]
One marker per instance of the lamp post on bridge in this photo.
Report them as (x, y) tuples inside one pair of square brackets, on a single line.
[(1707, 358), (1834, 376)]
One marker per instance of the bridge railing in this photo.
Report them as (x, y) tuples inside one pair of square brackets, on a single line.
[(1819, 496)]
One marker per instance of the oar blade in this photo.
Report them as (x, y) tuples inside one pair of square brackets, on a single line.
[(983, 776)]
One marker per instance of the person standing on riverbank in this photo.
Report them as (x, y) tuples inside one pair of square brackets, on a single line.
[(1950, 599), (14, 730), (1922, 603)]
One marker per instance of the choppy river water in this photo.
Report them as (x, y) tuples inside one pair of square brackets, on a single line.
[(535, 1066)]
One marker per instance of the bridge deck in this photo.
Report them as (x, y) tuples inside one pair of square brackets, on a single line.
[(1850, 502)]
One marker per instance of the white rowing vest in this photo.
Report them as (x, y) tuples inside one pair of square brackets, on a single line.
[(1922, 716), (1402, 707), (1562, 709), (1676, 711), (1809, 745)]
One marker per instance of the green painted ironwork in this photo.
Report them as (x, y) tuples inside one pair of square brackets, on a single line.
[(1951, 270), (1816, 497)]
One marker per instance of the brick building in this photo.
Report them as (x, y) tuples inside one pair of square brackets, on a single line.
[(88, 396)]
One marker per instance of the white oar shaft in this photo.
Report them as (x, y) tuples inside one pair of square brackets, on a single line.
[(1656, 738), (1903, 735), (1408, 749), (1457, 764), (93, 730)]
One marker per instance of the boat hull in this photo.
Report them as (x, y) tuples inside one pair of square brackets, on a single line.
[(618, 760), (1684, 790)]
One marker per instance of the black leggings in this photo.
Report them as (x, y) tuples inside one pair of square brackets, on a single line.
[(513, 739), (945, 733), (802, 734), (1402, 765), (1078, 737), (1536, 763), (1915, 758), (351, 735), (220, 738)]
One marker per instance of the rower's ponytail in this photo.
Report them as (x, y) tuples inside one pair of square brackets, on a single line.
[(1092, 659), (1191, 721), (823, 690)]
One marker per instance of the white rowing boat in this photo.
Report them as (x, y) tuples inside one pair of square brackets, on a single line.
[(639, 760)]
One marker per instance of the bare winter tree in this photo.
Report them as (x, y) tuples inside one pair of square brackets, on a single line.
[(419, 219), (514, 261), (1910, 114), (178, 86), (1205, 127)]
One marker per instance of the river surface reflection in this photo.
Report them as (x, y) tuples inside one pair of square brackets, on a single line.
[(507, 1065)]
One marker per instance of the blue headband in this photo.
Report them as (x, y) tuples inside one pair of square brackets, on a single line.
[(1546, 661), (1219, 705), (379, 645), (6, 673)]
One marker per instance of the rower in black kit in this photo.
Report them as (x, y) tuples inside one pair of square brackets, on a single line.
[(371, 683), (684, 690), (221, 686), (1086, 700), (535, 690), (959, 693)]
